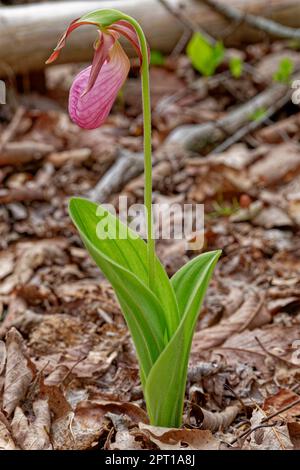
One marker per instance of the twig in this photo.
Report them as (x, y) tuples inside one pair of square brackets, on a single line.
[(263, 24), (187, 23), (278, 358), (252, 125), (250, 431), (195, 137), (282, 410), (12, 128), (227, 387)]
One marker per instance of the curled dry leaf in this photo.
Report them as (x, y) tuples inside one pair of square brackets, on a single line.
[(179, 439), (19, 373), (218, 421), (33, 435), (134, 412)]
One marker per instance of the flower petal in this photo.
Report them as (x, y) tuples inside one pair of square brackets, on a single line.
[(61, 43), (128, 31), (103, 47), (90, 110)]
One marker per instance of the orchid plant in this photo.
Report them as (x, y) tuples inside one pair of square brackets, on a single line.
[(161, 313)]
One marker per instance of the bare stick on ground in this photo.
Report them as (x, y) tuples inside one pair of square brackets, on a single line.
[(263, 24), (29, 32), (197, 136)]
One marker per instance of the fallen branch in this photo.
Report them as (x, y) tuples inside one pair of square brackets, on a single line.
[(188, 23), (27, 194), (17, 153), (252, 125), (263, 24), (196, 137), (193, 138), (28, 33)]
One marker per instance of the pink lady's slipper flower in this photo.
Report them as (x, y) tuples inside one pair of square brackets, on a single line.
[(95, 88)]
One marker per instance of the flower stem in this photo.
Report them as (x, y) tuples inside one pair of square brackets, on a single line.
[(147, 147)]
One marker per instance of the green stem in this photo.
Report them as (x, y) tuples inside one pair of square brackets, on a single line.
[(147, 146)]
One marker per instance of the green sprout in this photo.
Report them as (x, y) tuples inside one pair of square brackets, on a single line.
[(236, 66), (205, 57), (157, 58), (284, 71)]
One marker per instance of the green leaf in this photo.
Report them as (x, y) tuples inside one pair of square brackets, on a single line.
[(157, 58), (258, 115), (284, 71), (152, 316), (165, 385), (204, 57), (236, 66), (103, 17)]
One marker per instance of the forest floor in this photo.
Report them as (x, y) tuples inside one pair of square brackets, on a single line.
[(68, 371)]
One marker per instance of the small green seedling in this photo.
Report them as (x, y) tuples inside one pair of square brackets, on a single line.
[(284, 71), (236, 67), (157, 58), (204, 57)]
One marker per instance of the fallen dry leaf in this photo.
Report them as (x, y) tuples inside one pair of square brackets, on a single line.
[(247, 316), (19, 372), (268, 438), (282, 160), (283, 398), (33, 434), (2, 356), (217, 421), (179, 439), (294, 432), (6, 440)]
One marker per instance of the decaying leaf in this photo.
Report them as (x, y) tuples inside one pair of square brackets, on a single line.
[(246, 316), (275, 437), (2, 356), (179, 439), (282, 399), (217, 421), (19, 372), (6, 440), (294, 432), (282, 160), (33, 434)]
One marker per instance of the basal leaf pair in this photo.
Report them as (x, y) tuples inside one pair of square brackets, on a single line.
[(161, 313), (162, 318)]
